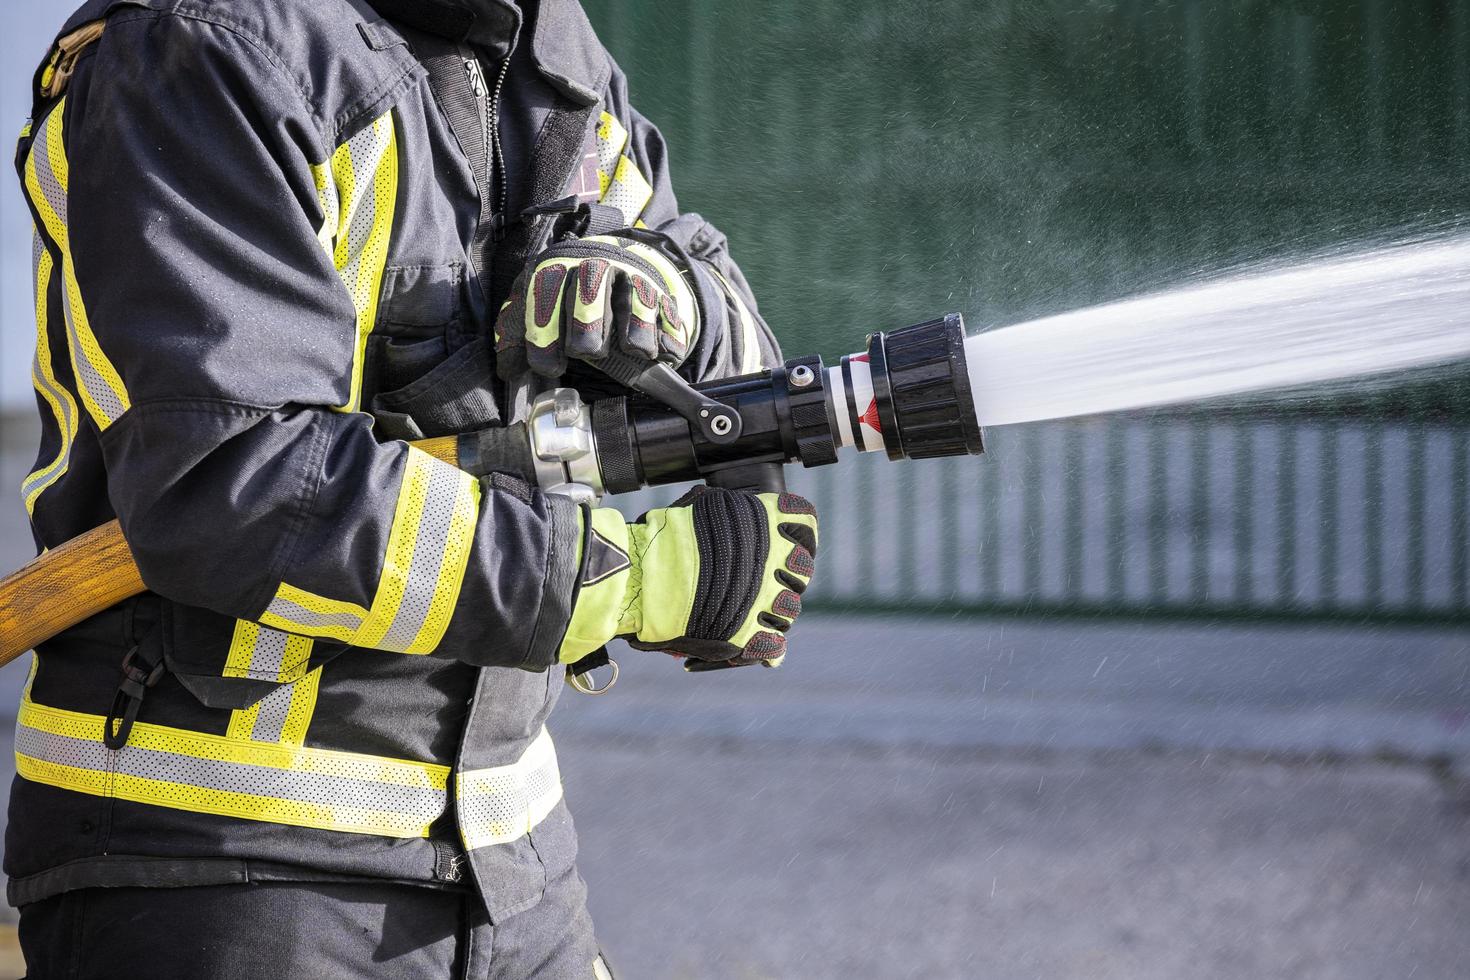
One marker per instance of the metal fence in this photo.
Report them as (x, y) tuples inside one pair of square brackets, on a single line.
[(1324, 519)]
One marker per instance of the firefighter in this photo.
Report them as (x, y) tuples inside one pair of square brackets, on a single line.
[(276, 242)]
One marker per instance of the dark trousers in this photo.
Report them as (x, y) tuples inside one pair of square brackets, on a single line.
[(306, 930)]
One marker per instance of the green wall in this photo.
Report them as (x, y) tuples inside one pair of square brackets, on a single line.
[(876, 163)]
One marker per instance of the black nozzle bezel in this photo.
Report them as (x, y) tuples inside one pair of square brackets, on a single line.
[(921, 383)]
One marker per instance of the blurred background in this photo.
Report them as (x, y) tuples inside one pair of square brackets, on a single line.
[(1155, 695)]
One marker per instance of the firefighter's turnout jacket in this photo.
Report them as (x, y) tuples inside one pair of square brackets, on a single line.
[(262, 263)]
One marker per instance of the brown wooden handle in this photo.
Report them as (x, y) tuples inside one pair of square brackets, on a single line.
[(87, 575), (64, 586)]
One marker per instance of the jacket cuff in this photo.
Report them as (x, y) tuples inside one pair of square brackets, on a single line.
[(558, 589)]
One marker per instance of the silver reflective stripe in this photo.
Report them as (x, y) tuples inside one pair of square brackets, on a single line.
[(96, 386), (45, 173), (422, 582), (417, 806), (269, 653), (270, 720), (41, 374), (300, 615), (504, 803), (365, 151)]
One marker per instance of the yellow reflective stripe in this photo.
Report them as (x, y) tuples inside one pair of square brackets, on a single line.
[(43, 377), (357, 189), (282, 716), (504, 803), (750, 354), (423, 569), (620, 183), (261, 653), (326, 198), (299, 611), (47, 179), (202, 773), (629, 190), (612, 138)]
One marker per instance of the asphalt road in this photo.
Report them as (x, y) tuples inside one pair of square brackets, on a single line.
[(910, 799)]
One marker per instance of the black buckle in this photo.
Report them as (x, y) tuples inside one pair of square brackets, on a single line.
[(138, 676)]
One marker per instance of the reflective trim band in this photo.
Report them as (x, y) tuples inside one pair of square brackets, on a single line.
[(264, 654), (620, 183), (423, 568), (750, 345), (47, 178), (629, 191), (612, 139), (202, 773), (261, 653), (358, 187), (303, 612), (282, 716), (43, 378), (499, 805)]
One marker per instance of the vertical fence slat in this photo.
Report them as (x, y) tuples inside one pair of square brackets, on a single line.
[(1286, 515), (1244, 514), (1460, 521), (1414, 534), (1114, 488), (1327, 539), (1199, 514), (1373, 516), (1072, 577)]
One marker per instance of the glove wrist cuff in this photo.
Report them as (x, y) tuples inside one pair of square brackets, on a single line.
[(606, 566)]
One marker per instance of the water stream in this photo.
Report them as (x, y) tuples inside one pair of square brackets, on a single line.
[(1355, 313)]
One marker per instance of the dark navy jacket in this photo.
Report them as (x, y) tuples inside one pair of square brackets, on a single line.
[(257, 272)]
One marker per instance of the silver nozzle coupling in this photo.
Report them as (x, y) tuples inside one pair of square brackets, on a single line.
[(565, 455)]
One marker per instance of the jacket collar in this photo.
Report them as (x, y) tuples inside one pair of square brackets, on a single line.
[(563, 44), (489, 24)]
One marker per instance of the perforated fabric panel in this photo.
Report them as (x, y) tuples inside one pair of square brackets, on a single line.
[(213, 774), (423, 568), (43, 378), (357, 189), (46, 177), (504, 803)]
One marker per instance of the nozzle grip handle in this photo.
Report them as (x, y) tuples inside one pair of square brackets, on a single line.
[(755, 477), (719, 423)]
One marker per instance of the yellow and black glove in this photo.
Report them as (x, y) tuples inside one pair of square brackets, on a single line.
[(588, 297), (717, 576)]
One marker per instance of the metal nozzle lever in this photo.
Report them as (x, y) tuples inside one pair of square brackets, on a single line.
[(718, 422)]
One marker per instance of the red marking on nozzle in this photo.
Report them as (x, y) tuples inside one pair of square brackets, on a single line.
[(860, 357), (870, 417)]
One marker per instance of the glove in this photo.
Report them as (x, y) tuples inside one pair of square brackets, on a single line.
[(717, 576), (588, 296)]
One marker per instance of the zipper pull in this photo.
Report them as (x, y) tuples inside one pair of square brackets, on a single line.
[(477, 78)]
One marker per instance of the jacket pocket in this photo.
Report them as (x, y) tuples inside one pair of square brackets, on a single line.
[(456, 395), (420, 296), (230, 663)]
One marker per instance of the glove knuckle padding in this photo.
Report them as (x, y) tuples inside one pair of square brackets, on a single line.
[(591, 312), (734, 542)]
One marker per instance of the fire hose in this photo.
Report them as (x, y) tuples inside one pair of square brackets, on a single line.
[(906, 395)]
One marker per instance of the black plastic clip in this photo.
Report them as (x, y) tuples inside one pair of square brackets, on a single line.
[(139, 674), (576, 218)]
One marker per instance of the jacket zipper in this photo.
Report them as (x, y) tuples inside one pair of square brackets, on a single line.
[(490, 120)]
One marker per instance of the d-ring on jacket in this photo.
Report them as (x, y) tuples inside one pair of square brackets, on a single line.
[(261, 264)]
